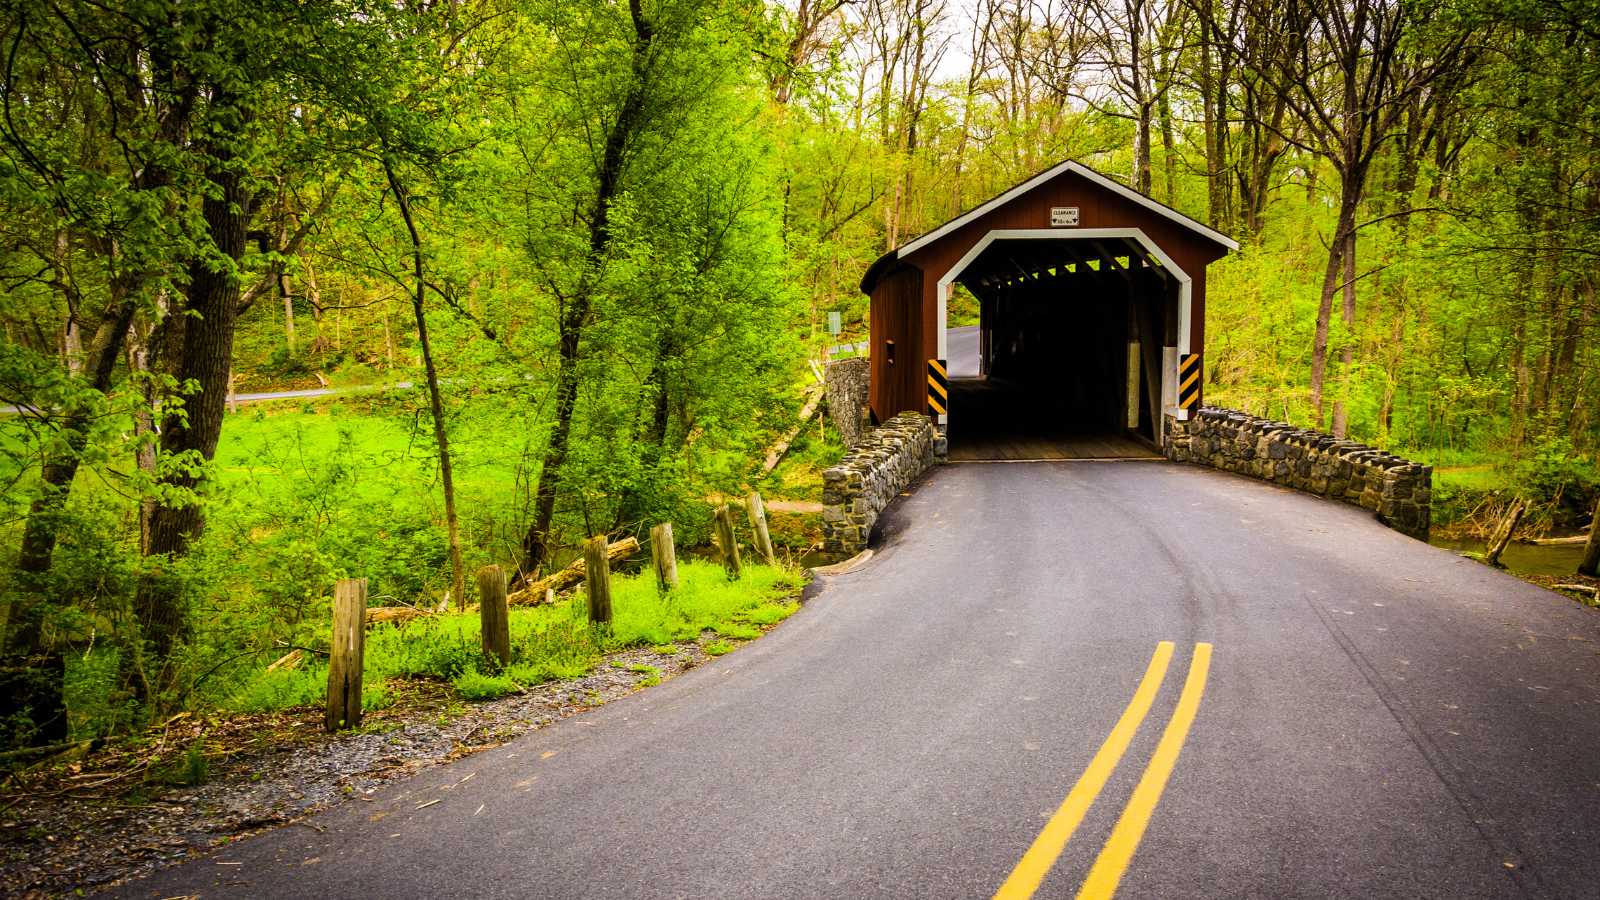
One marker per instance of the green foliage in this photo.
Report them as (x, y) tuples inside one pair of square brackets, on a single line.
[(770, 613), (194, 768), (473, 685), (1555, 470), (375, 695), (705, 600), (1561, 483), (188, 769), (95, 706), (282, 689), (738, 631)]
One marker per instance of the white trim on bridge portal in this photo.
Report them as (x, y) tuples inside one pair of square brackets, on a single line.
[(1169, 373), (1093, 177)]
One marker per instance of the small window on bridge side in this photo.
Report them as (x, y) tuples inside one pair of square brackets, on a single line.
[(888, 352)]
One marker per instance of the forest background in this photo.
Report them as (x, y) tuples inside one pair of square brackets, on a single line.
[(603, 240)]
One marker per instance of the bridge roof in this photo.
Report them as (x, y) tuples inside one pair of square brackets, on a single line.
[(887, 261)]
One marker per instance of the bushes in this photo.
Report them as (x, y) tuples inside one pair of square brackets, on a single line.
[(282, 689), (1559, 483), (473, 685)]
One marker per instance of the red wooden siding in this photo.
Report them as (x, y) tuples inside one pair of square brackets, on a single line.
[(895, 301)]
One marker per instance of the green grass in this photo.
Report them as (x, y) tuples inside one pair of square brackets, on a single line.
[(548, 642), (474, 685), (1471, 478), (1461, 488)]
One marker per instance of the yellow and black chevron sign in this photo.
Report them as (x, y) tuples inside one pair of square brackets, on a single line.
[(938, 388), (1189, 381)]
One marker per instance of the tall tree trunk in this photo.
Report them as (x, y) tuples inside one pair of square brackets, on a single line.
[(1142, 103), (141, 361), (1347, 315), (42, 528), (575, 316), (210, 314), (458, 578), (1141, 150), (1589, 564), (288, 312), (1588, 316), (1520, 373), (652, 436), (1169, 150), (1330, 287), (314, 297), (1214, 112), (281, 283)]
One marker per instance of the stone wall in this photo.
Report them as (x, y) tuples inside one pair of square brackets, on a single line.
[(846, 382), (855, 491), (1397, 490)]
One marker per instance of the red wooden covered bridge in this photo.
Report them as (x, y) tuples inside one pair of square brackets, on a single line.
[(1091, 301)]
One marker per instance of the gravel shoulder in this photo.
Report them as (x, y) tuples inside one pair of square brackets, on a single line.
[(112, 815)]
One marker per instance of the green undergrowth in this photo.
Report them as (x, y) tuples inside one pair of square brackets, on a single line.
[(547, 642), (799, 475), (1559, 485)]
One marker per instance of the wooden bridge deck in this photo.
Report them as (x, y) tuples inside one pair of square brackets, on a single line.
[(1025, 447), (1001, 421)]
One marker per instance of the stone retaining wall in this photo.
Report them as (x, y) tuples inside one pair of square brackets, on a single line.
[(1397, 490), (854, 492), (846, 383)]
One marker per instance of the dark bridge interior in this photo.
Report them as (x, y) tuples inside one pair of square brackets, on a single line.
[(1059, 372)]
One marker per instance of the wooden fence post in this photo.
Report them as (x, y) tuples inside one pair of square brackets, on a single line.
[(665, 557), (344, 662), (1590, 563), (758, 526), (597, 580), (495, 615), (725, 540)]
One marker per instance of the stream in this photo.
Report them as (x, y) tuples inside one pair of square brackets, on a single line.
[(1524, 559)]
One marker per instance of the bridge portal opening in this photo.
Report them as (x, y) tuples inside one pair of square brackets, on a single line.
[(1066, 359)]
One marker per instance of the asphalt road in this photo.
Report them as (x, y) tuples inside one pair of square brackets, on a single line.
[(961, 352), (1380, 718)]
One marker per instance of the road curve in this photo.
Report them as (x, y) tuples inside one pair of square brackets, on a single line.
[(1380, 719)]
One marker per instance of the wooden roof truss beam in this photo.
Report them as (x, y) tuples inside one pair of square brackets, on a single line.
[(1021, 262)]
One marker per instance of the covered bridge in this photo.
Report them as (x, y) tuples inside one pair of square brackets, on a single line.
[(1091, 301)]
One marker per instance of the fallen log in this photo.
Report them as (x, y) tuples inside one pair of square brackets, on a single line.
[(52, 750), (1560, 541), (1590, 563), (396, 614), (539, 591), (775, 455), (533, 594), (1583, 588), (1503, 532), (290, 660)]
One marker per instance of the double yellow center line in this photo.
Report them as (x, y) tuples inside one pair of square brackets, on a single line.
[(1118, 851)]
